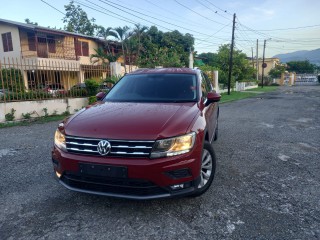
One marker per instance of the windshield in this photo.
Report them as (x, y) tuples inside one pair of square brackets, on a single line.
[(155, 88)]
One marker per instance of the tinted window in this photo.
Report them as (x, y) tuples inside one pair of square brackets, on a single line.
[(155, 88)]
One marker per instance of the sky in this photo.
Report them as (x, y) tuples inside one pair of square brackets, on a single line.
[(286, 25)]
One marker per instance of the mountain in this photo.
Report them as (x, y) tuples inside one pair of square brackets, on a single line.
[(313, 56)]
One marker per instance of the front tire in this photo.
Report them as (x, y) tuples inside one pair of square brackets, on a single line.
[(207, 169)]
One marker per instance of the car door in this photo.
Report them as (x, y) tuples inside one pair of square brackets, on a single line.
[(211, 109)]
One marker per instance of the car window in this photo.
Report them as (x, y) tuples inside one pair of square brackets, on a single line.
[(155, 88), (205, 85)]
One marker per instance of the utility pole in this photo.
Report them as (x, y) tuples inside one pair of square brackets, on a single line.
[(257, 60), (231, 53), (263, 65), (252, 57)]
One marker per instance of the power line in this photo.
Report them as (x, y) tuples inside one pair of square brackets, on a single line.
[(112, 4), (198, 13), (284, 29), (216, 12), (225, 11), (53, 7)]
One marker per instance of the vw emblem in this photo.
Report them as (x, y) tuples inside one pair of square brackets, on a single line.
[(104, 147)]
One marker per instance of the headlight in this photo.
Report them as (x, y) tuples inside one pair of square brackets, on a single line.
[(60, 140), (173, 146)]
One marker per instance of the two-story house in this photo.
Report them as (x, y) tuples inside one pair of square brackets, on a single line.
[(46, 55)]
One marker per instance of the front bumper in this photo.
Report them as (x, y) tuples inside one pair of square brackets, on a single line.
[(147, 179)]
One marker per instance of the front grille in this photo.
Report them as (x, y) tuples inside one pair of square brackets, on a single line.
[(119, 148), (137, 187)]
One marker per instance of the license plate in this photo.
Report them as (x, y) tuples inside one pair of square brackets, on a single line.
[(103, 170)]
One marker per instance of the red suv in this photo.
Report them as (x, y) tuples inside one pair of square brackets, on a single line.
[(149, 137)]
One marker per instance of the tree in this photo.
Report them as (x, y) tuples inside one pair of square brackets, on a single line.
[(122, 34), (106, 52), (242, 69), (277, 71), (101, 56), (164, 49), (27, 20), (138, 32), (77, 20), (301, 66)]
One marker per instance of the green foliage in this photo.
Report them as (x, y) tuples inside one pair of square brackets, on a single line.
[(112, 79), (277, 71), (10, 116), (78, 92), (11, 79), (92, 87), (27, 20), (242, 70), (169, 49), (26, 115), (102, 56), (209, 58), (301, 67), (77, 20), (31, 95), (92, 99)]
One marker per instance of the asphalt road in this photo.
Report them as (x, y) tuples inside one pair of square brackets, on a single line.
[(267, 184)]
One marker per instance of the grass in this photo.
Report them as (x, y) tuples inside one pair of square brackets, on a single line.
[(234, 96), (34, 120)]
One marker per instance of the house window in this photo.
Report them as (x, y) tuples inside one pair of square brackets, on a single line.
[(82, 48), (7, 42), (32, 42)]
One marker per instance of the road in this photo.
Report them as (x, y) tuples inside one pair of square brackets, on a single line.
[(267, 184)]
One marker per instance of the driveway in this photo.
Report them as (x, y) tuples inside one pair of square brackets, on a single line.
[(267, 184)]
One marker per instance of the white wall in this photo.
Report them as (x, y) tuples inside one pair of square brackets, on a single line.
[(16, 53), (36, 107)]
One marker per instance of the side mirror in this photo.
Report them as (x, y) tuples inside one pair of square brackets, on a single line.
[(213, 97), (100, 96)]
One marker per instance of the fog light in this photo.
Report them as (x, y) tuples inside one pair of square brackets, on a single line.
[(177, 186), (58, 174)]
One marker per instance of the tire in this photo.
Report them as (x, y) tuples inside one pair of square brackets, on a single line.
[(208, 159), (216, 132)]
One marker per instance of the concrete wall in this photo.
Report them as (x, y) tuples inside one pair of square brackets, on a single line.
[(16, 53), (36, 107)]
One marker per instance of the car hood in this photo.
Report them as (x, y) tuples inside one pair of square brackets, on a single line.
[(133, 121)]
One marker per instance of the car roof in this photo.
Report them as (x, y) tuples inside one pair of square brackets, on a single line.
[(164, 71)]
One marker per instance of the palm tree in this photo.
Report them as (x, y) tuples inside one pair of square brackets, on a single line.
[(105, 33), (122, 35), (139, 30), (101, 56)]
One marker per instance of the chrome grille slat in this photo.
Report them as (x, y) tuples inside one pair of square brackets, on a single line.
[(119, 148), (134, 147)]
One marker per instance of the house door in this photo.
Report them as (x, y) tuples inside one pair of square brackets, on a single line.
[(42, 47)]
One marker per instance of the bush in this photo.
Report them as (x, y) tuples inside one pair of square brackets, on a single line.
[(92, 87), (10, 116), (275, 84), (92, 99), (26, 115), (11, 79), (78, 92)]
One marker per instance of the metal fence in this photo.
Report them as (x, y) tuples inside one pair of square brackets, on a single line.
[(39, 79)]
